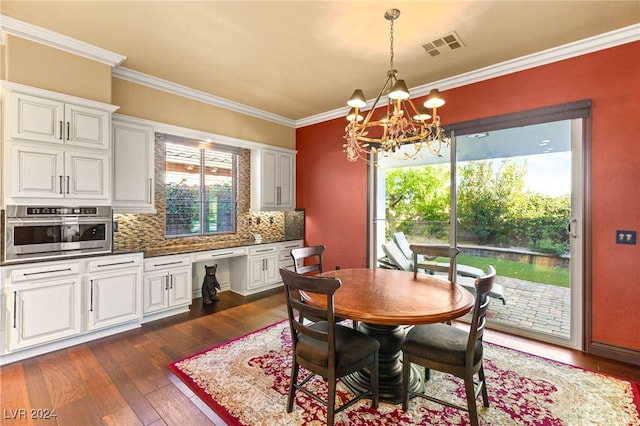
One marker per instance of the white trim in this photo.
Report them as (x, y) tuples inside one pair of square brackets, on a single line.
[(40, 35), (186, 92), (593, 44)]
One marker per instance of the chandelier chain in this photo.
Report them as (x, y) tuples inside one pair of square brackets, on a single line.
[(391, 46)]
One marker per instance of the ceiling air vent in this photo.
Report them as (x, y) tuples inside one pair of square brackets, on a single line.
[(443, 45)]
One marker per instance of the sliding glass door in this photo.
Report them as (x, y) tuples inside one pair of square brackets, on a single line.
[(517, 204)]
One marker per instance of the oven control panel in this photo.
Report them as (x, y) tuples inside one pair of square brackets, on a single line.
[(61, 211)]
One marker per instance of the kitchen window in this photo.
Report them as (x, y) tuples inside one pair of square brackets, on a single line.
[(200, 187)]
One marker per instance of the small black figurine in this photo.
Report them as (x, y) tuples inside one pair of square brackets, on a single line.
[(210, 284)]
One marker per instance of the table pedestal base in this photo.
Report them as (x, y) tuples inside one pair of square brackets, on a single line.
[(389, 364)]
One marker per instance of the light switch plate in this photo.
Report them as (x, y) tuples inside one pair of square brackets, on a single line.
[(625, 237)]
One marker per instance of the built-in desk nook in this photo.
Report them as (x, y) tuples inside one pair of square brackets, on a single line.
[(243, 269)]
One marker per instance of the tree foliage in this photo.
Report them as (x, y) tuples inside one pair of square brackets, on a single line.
[(417, 194), (494, 206)]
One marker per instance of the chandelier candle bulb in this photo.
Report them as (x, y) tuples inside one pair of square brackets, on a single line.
[(354, 115), (401, 124)]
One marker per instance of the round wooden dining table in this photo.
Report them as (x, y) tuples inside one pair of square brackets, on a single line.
[(385, 302)]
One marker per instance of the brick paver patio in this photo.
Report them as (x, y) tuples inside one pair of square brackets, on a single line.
[(539, 307)]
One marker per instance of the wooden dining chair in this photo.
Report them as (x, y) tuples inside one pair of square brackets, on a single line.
[(463, 275), (451, 350), (325, 348), (430, 251), (308, 261)]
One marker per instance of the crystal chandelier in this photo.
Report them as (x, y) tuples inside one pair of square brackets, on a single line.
[(400, 124)]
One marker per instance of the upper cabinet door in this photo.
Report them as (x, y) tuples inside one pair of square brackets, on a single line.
[(286, 182), (86, 127), (87, 175), (272, 180), (37, 172), (37, 119), (46, 120), (133, 168)]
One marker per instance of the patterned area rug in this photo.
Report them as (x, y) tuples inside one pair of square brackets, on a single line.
[(245, 381)]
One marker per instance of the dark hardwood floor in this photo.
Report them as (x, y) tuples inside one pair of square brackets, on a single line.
[(123, 379)]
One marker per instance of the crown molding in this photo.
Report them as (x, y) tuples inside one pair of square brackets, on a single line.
[(31, 32), (589, 45), (186, 92)]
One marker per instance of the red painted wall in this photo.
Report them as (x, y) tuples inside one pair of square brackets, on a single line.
[(333, 193), (333, 190)]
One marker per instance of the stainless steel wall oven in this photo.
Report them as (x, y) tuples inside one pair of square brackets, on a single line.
[(47, 232)]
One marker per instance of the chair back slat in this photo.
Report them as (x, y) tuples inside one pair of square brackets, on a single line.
[(434, 251)]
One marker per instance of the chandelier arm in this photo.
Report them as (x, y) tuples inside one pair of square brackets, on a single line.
[(386, 85)]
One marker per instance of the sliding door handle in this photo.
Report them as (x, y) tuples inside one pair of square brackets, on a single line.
[(571, 228)]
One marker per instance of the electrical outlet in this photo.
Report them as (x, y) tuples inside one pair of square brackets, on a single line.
[(625, 237)]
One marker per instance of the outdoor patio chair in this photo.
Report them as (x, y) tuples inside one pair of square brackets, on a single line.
[(396, 257)]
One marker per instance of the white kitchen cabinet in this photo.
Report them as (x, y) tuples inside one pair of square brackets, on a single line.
[(133, 167), (167, 286), (55, 146), (263, 266), (49, 120), (273, 180), (41, 172), (43, 304), (113, 290)]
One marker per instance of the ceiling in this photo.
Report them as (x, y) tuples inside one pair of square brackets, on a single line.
[(297, 59)]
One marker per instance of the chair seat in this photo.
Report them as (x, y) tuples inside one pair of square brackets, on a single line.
[(351, 347), (440, 343)]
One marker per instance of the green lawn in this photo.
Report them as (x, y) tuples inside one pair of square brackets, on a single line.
[(524, 271)]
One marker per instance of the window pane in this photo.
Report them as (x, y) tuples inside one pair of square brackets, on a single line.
[(182, 190), (219, 195)]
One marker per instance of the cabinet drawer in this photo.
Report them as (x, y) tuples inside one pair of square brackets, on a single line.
[(287, 246), (285, 257), (261, 250), (220, 254), (44, 271), (166, 262), (108, 263)]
